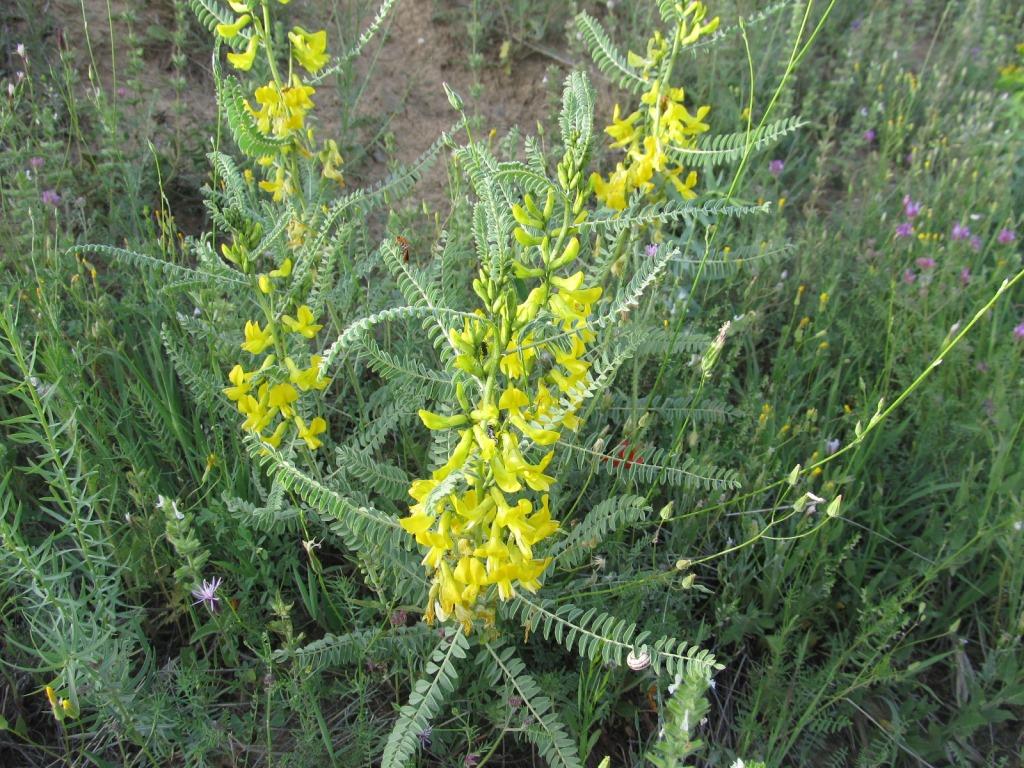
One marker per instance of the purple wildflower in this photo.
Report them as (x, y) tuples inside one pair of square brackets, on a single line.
[(50, 197), (424, 736), (36, 163), (906, 229), (470, 760), (910, 207), (926, 262), (651, 250), (207, 594), (832, 446), (1006, 236), (514, 702), (122, 91), (855, 24), (870, 135), (399, 618), (909, 277), (965, 275), (1018, 331), (775, 167), (960, 232), (975, 243)]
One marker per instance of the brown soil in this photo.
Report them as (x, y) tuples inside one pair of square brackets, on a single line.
[(405, 66)]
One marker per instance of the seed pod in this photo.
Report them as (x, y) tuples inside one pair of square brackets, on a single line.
[(549, 204)]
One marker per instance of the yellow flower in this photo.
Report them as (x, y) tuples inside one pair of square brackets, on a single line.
[(622, 130), (309, 48), (612, 193), (227, 31), (316, 427), (304, 322), (257, 411), (280, 187), (274, 440), (309, 378), (437, 421), (244, 60), (283, 111), (257, 340), (571, 303), (240, 379), (331, 159), (281, 397)]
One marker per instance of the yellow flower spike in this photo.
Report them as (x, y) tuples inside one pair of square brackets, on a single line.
[(309, 48), (258, 412), (274, 440), (309, 434), (257, 340), (303, 323), (281, 397), (228, 31), (437, 421), (244, 60), (240, 379)]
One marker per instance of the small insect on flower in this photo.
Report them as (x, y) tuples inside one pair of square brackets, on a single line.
[(206, 594)]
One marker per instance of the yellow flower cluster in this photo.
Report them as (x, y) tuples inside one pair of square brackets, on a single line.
[(282, 104), (267, 395), (480, 540), (663, 123)]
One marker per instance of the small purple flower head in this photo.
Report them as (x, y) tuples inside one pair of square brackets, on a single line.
[(514, 702), (50, 197), (122, 91), (35, 163), (424, 736), (399, 618), (1006, 236), (909, 277), (1018, 331), (960, 232), (832, 446), (206, 594), (651, 250), (926, 262), (855, 24), (775, 167), (965, 275), (975, 243), (905, 229), (870, 135), (910, 207), (471, 760)]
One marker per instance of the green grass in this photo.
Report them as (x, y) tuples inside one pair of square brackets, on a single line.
[(884, 631)]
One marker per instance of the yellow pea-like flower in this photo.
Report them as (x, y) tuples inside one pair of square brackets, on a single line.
[(245, 59), (309, 48), (227, 31), (309, 434), (304, 323), (257, 339)]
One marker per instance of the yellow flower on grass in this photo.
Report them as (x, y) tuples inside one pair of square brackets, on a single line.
[(257, 339), (622, 130), (309, 48), (283, 111), (244, 60), (274, 439), (572, 303), (280, 187), (332, 161), (316, 427), (304, 323)]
